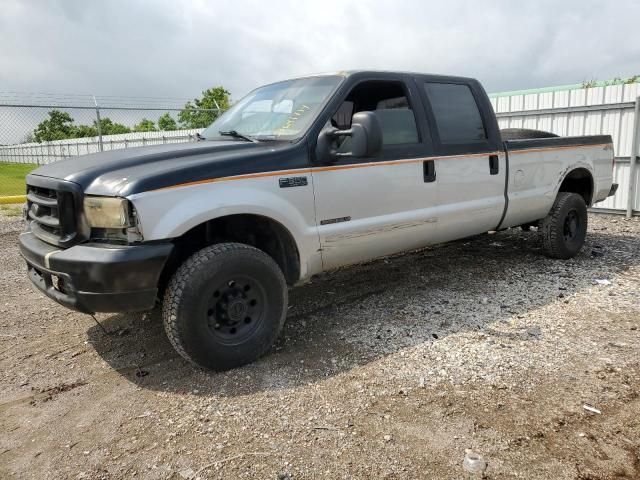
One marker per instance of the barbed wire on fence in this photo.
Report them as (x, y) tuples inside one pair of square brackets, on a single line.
[(87, 100)]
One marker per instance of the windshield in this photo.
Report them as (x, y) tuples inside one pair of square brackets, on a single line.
[(281, 111)]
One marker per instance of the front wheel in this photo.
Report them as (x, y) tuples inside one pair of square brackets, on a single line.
[(564, 229), (225, 306)]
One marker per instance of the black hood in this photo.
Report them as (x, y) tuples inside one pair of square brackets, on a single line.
[(134, 170)]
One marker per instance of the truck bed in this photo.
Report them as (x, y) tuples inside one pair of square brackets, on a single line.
[(537, 169)]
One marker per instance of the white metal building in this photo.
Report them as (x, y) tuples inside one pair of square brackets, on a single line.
[(573, 110)]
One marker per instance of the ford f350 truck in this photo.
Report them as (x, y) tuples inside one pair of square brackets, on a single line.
[(298, 177)]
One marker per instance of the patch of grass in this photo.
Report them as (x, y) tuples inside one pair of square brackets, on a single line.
[(12, 177), (11, 210)]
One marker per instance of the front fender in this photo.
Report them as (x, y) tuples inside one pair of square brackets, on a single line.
[(171, 212)]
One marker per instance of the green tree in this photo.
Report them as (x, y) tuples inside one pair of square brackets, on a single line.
[(167, 123), (145, 125), (213, 98), (83, 131), (108, 127), (58, 126)]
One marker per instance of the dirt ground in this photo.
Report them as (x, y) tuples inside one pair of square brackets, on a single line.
[(385, 370)]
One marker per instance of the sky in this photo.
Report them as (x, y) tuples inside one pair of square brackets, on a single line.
[(176, 49)]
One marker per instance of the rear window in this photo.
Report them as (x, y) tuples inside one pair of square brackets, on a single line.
[(457, 115)]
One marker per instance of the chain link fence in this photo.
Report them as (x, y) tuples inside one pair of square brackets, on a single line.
[(39, 134)]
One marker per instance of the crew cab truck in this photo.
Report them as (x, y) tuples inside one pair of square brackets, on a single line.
[(298, 177)]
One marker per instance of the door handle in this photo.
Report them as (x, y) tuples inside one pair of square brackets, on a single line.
[(494, 164), (429, 171)]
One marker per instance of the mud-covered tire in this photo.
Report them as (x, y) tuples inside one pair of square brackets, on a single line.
[(225, 306), (564, 229)]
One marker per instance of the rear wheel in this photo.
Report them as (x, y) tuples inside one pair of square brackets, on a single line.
[(225, 306), (564, 229)]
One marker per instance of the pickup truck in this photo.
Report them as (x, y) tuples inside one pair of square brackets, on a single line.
[(299, 177)]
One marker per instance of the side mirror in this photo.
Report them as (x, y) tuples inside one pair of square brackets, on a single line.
[(366, 139)]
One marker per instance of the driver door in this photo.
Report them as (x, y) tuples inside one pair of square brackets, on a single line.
[(373, 207)]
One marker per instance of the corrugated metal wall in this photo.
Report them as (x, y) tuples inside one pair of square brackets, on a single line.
[(570, 111)]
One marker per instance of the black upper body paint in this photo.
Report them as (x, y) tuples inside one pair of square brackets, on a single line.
[(134, 170)]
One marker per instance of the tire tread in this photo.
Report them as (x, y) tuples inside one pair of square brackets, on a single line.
[(179, 283), (551, 226)]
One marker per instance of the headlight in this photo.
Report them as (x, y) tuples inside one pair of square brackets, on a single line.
[(107, 212)]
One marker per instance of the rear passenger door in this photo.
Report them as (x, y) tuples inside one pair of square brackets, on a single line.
[(469, 166), (371, 207)]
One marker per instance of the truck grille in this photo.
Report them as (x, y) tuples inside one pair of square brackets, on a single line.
[(52, 207)]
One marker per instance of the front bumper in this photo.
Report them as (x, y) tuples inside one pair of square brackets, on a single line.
[(95, 277)]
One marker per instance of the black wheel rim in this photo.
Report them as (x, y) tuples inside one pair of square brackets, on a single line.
[(236, 309), (571, 226)]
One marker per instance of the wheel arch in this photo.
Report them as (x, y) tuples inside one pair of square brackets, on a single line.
[(260, 231), (579, 180)]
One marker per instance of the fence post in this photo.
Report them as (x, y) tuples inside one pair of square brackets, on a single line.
[(98, 124), (633, 159)]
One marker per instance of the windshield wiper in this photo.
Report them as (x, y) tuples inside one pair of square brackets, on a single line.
[(236, 134)]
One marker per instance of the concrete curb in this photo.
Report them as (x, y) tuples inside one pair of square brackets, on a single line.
[(13, 199)]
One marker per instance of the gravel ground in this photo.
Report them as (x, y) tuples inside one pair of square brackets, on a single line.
[(385, 370)]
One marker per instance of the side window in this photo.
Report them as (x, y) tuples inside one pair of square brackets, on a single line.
[(342, 118), (390, 103), (457, 115)]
